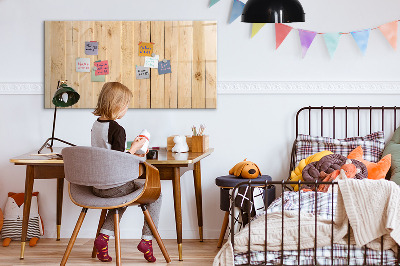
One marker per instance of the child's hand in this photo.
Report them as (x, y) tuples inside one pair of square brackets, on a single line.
[(137, 144), (143, 155)]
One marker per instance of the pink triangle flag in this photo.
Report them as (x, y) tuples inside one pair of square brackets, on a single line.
[(389, 30), (306, 39), (281, 31)]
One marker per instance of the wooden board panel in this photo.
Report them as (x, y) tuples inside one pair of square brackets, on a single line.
[(171, 53), (185, 48), (144, 89), (210, 28), (190, 46), (127, 43), (157, 81), (100, 35), (199, 66)]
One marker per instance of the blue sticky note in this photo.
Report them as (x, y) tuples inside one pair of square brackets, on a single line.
[(164, 67)]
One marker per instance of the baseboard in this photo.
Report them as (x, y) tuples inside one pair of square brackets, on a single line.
[(260, 87)]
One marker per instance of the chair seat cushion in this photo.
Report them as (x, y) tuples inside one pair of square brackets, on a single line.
[(83, 195)]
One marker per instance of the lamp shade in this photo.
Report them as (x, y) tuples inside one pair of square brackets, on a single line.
[(273, 11), (65, 96)]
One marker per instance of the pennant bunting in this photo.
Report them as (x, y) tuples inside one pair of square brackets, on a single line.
[(237, 9), (281, 31), (306, 39), (332, 41), (256, 28), (213, 2), (389, 30), (361, 37)]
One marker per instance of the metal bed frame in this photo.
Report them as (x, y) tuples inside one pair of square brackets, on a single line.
[(284, 184)]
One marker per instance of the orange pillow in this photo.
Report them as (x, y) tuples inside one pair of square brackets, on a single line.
[(375, 170)]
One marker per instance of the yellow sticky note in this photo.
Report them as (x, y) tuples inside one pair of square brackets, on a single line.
[(145, 48)]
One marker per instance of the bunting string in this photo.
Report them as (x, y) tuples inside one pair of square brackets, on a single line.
[(361, 37)]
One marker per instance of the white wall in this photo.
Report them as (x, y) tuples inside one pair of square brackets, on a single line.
[(257, 127)]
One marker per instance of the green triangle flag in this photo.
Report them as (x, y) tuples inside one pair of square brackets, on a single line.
[(332, 41), (256, 28), (213, 2)]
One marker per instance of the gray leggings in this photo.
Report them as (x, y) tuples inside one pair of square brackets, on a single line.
[(154, 208)]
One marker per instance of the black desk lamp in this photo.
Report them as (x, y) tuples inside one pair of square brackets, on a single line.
[(65, 96), (273, 11)]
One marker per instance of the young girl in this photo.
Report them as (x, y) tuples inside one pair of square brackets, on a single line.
[(112, 104)]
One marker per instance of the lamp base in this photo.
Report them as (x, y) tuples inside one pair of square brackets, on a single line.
[(50, 146)]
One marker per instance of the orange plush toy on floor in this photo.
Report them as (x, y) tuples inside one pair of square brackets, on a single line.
[(13, 215), (245, 169)]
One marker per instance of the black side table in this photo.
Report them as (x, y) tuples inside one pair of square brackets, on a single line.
[(226, 183)]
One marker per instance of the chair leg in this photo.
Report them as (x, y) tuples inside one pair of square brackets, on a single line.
[(117, 239), (101, 222), (223, 229), (154, 230), (73, 237)]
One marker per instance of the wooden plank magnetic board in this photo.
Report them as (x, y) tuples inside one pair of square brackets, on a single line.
[(191, 46)]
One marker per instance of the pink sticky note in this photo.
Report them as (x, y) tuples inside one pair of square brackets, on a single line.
[(101, 67)]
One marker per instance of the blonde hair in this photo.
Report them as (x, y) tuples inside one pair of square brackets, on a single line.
[(113, 97)]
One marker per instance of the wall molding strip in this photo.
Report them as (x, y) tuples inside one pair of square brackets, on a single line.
[(259, 87)]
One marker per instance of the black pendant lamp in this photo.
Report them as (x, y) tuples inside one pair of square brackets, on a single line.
[(273, 11)]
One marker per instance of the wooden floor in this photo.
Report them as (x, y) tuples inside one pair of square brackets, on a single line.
[(50, 252)]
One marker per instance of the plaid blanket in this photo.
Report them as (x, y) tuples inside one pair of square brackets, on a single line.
[(322, 204)]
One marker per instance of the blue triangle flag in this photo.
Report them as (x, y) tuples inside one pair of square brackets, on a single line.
[(332, 41), (213, 2), (237, 9), (361, 37)]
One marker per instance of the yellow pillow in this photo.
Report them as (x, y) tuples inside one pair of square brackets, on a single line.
[(296, 174)]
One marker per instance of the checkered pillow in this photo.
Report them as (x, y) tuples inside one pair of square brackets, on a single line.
[(372, 145)]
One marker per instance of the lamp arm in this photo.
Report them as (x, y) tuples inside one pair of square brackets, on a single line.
[(54, 126)]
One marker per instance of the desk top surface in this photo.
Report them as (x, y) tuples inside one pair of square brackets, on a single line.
[(164, 157)]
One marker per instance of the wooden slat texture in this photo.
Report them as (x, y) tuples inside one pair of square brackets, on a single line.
[(100, 33), (72, 49), (199, 66), (157, 81), (210, 33), (185, 47), (190, 46), (144, 91), (47, 64), (85, 83), (127, 43), (57, 56), (171, 53)]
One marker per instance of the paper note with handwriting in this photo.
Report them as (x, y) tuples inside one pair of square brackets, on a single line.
[(164, 67), (101, 67), (142, 72), (151, 62), (82, 64), (145, 48), (91, 48), (99, 78)]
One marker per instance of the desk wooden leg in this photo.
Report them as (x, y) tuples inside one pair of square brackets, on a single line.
[(60, 191), (199, 204), (178, 208), (27, 206)]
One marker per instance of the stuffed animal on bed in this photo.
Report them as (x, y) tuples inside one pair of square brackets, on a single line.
[(13, 215), (348, 170), (245, 169), (296, 174)]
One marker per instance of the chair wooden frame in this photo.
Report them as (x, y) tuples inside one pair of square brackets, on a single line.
[(150, 193)]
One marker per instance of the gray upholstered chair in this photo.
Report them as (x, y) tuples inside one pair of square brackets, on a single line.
[(85, 167)]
